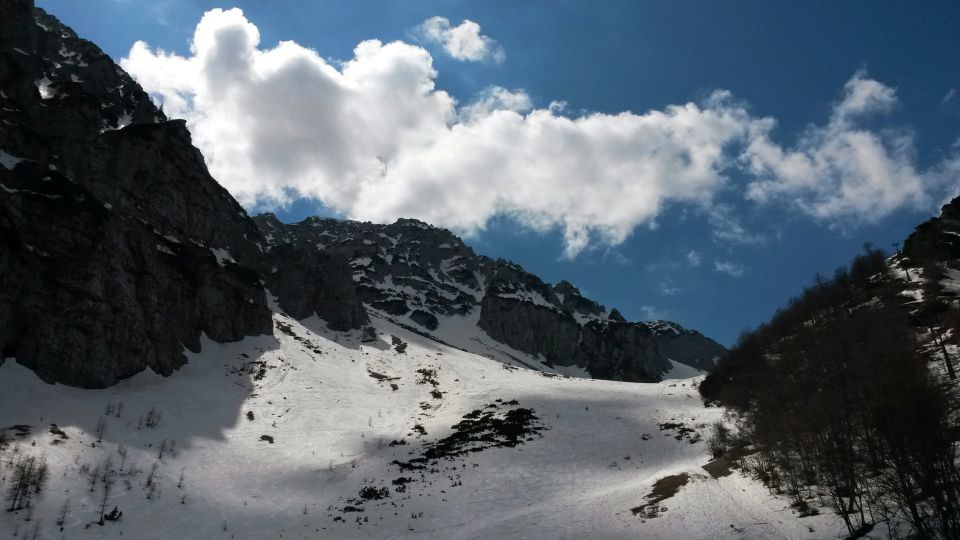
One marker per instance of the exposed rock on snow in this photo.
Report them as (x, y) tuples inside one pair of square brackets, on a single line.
[(423, 276)]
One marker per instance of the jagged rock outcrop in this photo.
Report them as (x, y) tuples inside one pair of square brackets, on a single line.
[(417, 275), (567, 329), (118, 249), (116, 240), (397, 268), (311, 281), (686, 346), (937, 239), (520, 310)]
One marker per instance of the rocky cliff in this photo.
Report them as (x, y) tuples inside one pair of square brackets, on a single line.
[(113, 232), (118, 249), (937, 239), (420, 275)]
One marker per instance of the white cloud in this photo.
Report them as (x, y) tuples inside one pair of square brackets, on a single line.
[(669, 289), (728, 228), (728, 267), (463, 42), (693, 258), (495, 98), (652, 313), (374, 139), (842, 173)]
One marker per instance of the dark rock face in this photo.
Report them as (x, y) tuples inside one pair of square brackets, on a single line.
[(567, 329), (397, 268), (520, 310), (686, 346), (416, 274), (937, 239), (117, 248), (310, 281), (115, 240), (424, 319)]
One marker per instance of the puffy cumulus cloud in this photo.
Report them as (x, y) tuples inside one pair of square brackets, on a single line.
[(597, 176), (374, 139), (463, 42), (493, 98), (281, 121), (842, 172)]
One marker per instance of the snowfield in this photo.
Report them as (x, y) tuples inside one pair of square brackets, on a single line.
[(278, 436)]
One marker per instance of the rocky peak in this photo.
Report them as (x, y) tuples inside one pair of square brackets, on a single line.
[(120, 239), (118, 249), (937, 239), (425, 277), (404, 269)]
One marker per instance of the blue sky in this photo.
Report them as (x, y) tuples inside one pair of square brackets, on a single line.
[(719, 251)]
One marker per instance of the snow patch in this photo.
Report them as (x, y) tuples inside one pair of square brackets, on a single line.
[(222, 255), (9, 161), (43, 86), (682, 371)]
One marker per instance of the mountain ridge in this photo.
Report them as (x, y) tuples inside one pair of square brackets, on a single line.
[(419, 274), (120, 250)]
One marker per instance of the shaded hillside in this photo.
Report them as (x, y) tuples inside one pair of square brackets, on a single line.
[(847, 395), (111, 223)]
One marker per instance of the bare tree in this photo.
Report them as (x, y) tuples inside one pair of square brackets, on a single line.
[(122, 450), (151, 475), (23, 478), (153, 418), (63, 513), (107, 484), (101, 427), (107, 470), (94, 477), (41, 475)]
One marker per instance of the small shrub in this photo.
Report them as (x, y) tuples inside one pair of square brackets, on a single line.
[(373, 493), (720, 439)]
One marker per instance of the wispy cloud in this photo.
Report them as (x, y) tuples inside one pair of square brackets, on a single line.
[(651, 313), (730, 268), (948, 97), (669, 289), (693, 258), (842, 173)]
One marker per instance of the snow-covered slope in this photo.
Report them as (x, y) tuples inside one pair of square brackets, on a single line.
[(278, 436)]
